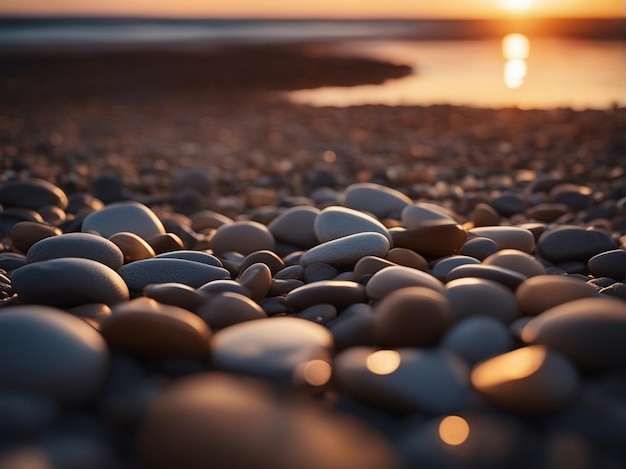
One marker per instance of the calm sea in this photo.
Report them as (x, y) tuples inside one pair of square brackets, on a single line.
[(563, 64)]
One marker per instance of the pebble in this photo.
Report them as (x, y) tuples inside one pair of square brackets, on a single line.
[(354, 326), (485, 215), (469, 297), (393, 278), (175, 294), (215, 420), (228, 308), (380, 201), (508, 204), (257, 278), (139, 274), (48, 351), (295, 226), (269, 258), (339, 293), (540, 293), (195, 256), (124, 216), (530, 380), (320, 313), (146, 328), (166, 243), (221, 286), (432, 239), (26, 233), (32, 194), (369, 265), (507, 237), (244, 237), (417, 215), (133, 247), (516, 261), (273, 348), (79, 245), (69, 282), (443, 266), (432, 381), (502, 275), (476, 338), (208, 220), (411, 317), (574, 196), (609, 264), (591, 332), (566, 243), (548, 212), (407, 258), (336, 222), (346, 251), (318, 271)]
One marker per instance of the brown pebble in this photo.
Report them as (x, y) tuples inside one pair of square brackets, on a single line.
[(244, 237), (517, 261), (166, 243), (485, 215), (540, 293), (26, 233), (436, 238), (265, 256), (407, 258), (133, 246), (257, 278), (228, 308), (369, 265), (336, 292)]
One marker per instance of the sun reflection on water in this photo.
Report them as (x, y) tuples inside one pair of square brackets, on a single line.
[(515, 49)]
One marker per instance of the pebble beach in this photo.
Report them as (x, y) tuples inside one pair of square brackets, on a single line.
[(197, 272)]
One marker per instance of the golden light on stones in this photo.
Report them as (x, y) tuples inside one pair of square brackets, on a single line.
[(313, 373), (329, 156), (454, 430), (515, 49), (518, 364), (383, 362)]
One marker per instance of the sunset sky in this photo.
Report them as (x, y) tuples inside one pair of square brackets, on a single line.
[(320, 8)]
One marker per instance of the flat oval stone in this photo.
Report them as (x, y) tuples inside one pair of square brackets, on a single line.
[(538, 294), (257, 278), (269, 258), (353, 327), (166, 243), (433, 381), (566, 243), (175, 294), (339, 293), (433, 238), (147, 328), (295, 226), (336, 222), (133, 247), (81, 245), (376, 199), (228, 308), (507, 237), (346, 251), (272, 348), (318, 271), (221, 286), (393, 278), (26, 233), (32, 194), (508, 204), (208, 219), (69, 282), (139, 274), (45, 350), (476, 338), (591, 332), (502, 275), (479, 248), (516, 261), (244, 237), (195, 256), (416, 215), (369, 265), (470, 297), (443, 266), (609, 264), (124, 216), (548, 212), (407, 258), (411, 317), (320, 313), (530, 380), (485, 215), (196, 421)]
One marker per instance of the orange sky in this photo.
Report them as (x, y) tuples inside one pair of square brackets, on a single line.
[(318, 8)]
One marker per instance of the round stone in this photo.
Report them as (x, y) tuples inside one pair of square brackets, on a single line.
[(433, 238), (508, 204), (346, 251), (269, 258), (485, 215), (353, 327), (540, 293), (443, 266), (479, 248), (150, 329), (609, 264), (133, 247), (273, 348), (45, 350), (221, 286), (80, 245), (369, 265), (69, 282), (567, 243), (591, 332), (393, 278), (411, 317), (166, 243), (407, 258), (32, 194), (257, 278), (244, 237), (477, 338), (175, 294), (139, 274), (228, 308), (502, 275), (339, 293), (124, 216), (468, 297), (416, 215), (26, 233), (215, 420), (320, 313), (336, 222), (530, 380), (433, 381), (295, 226), (507, 237), (516, 261), (376, 199)]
